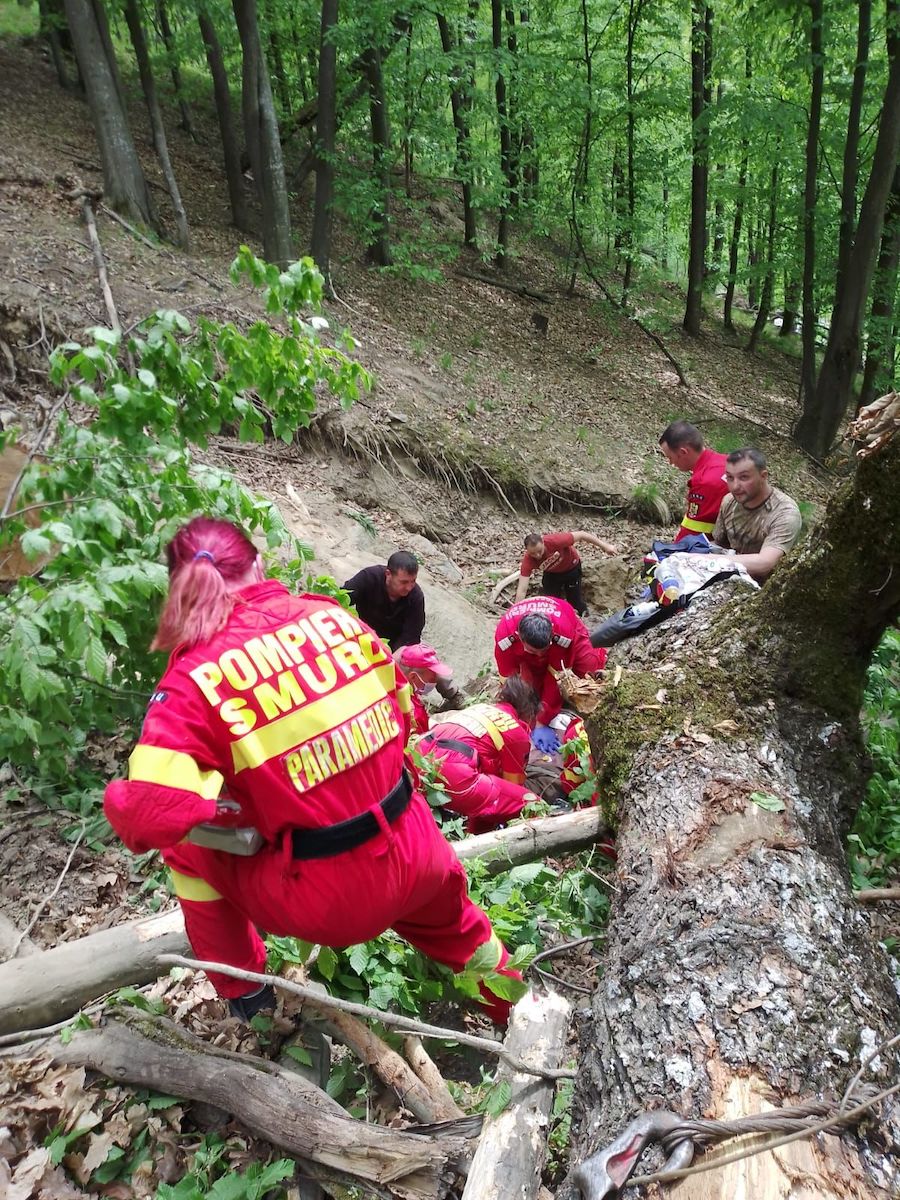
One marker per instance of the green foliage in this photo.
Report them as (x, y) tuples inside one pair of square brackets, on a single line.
[(210, 1178), (874, 844), (73, 659)]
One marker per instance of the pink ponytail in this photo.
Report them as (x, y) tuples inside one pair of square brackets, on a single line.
[(206, 559)]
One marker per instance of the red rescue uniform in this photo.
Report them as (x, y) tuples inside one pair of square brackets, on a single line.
[(706, 490), (297, 711), (483, 751), (570, 646)]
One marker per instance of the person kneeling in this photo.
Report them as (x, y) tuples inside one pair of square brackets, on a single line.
[(483, 752)]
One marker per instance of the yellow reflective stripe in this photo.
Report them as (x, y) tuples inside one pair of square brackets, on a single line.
[(493, 732), (404, 698), (572, 774), (697, 526), (187, 887), (283, 734), (172, 768)]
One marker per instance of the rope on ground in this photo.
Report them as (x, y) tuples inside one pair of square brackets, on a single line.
[(765, 1120)]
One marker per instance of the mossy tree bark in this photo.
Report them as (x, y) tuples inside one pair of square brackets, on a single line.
[(739, 974)]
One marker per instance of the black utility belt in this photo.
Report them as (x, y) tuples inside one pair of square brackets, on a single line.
[(347, 835), (450, 744)]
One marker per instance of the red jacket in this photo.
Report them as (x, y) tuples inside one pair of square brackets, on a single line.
[(706, 490), (295, 709), (570, 647)]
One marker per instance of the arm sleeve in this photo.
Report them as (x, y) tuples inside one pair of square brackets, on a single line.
[(356, 586), (719, 535), (527, 565), (413, 622), (487, 790), (507, 661), (784, 530), (585, 658), (173, 781)]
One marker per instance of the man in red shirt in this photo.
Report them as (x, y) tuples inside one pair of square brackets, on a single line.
[(556, 555), (682, 444), (535, 639)]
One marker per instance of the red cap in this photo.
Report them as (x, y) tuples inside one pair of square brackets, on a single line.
[(423, 658)]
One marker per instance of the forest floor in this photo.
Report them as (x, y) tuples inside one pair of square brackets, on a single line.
[(479, 427)]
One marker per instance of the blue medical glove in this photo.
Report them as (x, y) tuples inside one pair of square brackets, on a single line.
[(545, 738)]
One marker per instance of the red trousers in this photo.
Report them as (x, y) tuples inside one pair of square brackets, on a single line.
[(487, 800), (406, 878)]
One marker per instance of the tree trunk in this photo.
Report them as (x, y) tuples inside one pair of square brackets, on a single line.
[(230, 146), (808, 332), (738, 973), (326, 128), (824, 410), (379, 249), (851, 145), (124, 185), (262, 138), (133, 19), (754, 242), (274, 1104), (281, 82), (791, 302), (505, 140), (514, 107), (50, 20), (699, 169), (768, 289), (511, 1151), (734, 247), (881, 341), (461, 128), (634, 17), (174, 67)]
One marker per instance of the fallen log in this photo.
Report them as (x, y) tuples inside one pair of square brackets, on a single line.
[(873, 895), (519, 289), (513, 1145), (739, 974), (272, 1103), (423, 1065), (48, 987)]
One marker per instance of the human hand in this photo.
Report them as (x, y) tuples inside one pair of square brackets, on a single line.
[(545, 739), (609, 548)]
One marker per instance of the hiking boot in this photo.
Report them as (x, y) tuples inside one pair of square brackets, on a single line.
[(247, 1006)]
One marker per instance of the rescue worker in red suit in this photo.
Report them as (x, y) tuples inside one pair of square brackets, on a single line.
[(483, 752), (422, 668), (296, 711), (535, 639)]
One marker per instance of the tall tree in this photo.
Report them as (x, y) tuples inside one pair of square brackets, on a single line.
[(461, 130), (165, 28), (740, 201), (810, 193), (881, 339), (148, 84), (379, 248), (851, 145), (768, 287), (700, 25), (506, 170), (824, 409), (231, 152), (262, 138), (326, 126), (633, 20), (124, 184)]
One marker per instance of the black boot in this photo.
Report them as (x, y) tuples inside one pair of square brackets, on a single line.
[(249, 1005)]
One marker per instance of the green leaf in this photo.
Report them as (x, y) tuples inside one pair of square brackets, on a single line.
[(299, 1054), (95, 660), (767, 801), (327, 962), (507, 987), (483, 961), (35, 543), (498, 1097)]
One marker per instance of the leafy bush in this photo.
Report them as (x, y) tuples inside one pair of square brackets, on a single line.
[(875, 839), (120, 477)]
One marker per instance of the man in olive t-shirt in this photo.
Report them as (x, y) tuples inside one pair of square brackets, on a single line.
[(757, 521)]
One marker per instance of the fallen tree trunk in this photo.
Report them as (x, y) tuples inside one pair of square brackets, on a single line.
[(739, 972), (48, 987), (272, 1103), (513, 1145)]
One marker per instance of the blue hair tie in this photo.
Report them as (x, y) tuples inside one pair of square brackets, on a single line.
[(205, 554)]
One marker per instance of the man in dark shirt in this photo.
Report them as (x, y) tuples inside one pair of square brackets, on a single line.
[(389, 599)]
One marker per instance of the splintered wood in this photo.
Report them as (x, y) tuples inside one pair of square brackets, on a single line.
[(582, 694)]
